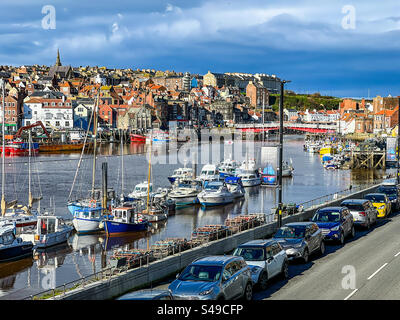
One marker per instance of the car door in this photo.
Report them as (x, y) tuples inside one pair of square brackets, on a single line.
[(349, 220), (229, 283), (272, 262), (314, 237)]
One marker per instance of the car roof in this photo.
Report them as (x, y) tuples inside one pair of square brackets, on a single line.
[(215, 260), (375, 194), (146, 294), (354, 201), (257, 243), (339, 209)]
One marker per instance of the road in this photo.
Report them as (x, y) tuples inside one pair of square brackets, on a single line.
[(372, 256)]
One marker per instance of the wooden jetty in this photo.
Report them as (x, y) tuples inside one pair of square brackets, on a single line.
[(368, 160)]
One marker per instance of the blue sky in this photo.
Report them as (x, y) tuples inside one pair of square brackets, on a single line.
[(300, 40)]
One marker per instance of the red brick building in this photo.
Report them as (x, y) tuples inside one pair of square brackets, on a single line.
[(257, 93)]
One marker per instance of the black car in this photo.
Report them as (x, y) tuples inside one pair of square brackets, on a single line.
[(392, 192)]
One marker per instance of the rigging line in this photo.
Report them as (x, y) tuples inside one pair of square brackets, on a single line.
[(83, 150)]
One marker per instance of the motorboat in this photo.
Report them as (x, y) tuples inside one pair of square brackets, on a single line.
[(250, 179), (227, 168), (88, 220), (185, 192), (125, 219), (161, 198), (209, 172), (235, 186), (215, 193), (287, 169), (13, 247), (21, 217), (50, 230), (141, 190), (181, 173)]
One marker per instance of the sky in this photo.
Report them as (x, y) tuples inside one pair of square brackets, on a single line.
[(336, 47)]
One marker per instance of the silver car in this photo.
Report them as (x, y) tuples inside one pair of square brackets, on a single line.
[(214, 278), (300, 240), (362, 210), (266, 259)]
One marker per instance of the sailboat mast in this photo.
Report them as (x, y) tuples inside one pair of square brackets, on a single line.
[(3, 166), (149, 174), (29, 171), (122, 163), (95, 144)]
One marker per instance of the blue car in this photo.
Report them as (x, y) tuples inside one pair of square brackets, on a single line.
[(336, 223)]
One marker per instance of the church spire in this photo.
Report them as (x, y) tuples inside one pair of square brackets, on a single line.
[(58, 62)]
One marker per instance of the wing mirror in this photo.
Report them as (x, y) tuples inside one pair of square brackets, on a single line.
[(177, 275), (270, 259)]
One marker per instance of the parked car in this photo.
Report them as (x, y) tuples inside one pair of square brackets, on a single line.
[(148, 294), (266, 259), (362, 210), (300, 240), (392, 192), (381, 202), (336, 223), (214, 278)]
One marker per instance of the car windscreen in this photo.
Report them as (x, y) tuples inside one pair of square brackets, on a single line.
[(201, 273), (295, 232), (377, 198), (250, 254), (327, 216), (389, 190), (354, 206)]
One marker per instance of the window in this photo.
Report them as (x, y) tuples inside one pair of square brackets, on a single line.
[(28, 123), (275, 249), (67, 123), (57, 123), (269, 252)]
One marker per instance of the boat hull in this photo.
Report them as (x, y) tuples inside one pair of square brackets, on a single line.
[(251, 183), (137, 138), (17, 252), (184, 201), (215, 201), (115, 228), (87, 225)]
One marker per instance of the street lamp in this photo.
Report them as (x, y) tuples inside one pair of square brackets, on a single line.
[(398, 144), (280, 204)]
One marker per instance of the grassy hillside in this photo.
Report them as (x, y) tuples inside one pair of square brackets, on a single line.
[(303, 101)]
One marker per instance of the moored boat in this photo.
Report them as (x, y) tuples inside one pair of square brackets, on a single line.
[(11, 247), (235, 186), (185, 192), (125, 219), (215, 193), (137, 138)]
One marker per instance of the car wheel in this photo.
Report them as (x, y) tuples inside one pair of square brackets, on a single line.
[(305, 255), (263, 281), (248, 292), (341, 239), (353, 232), (322, 248), (285, 270)]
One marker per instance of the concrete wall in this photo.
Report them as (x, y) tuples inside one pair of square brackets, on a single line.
[(158, 270)]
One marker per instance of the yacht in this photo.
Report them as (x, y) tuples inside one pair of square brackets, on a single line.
[(209, 172), (11, 247), (249, 179), (235, 186), (215, 193), (141, 190), (287, 169), (181, 173), (185, 192), (227, 168), (50, 230)]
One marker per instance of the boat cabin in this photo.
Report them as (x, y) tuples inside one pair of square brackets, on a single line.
[(7, 235), (89, 213), (48, 224), (127, 214)]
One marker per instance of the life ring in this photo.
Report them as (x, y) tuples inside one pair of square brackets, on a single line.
[(92, 203)]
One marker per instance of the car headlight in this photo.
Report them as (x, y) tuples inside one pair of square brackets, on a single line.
[(382, 207), (206, 292), (335, 228)]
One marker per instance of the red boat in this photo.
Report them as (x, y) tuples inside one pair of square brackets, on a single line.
[(19, 148), (137, 138)]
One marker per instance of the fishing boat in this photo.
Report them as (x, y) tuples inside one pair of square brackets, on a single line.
[(87, 220), (287, 169), (269, 176), (235, 186), (19, 148), (125, 219), (137, 138), (209, 172), (227, 168), (141, 190), (50, 231), (185, 191), (249, 179), (12, 247), (215, 193), (181, 173)]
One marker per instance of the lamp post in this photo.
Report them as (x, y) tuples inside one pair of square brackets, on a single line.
[(398, 144), (280, 204)]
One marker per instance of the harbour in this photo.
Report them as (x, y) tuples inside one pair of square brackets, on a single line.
[(83, 255)]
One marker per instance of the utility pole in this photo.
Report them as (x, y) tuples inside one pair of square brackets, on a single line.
[(398, 144), (280, 204)]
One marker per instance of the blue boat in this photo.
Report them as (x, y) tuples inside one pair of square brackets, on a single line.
[(125, 220), (88, 220), (11, 247)]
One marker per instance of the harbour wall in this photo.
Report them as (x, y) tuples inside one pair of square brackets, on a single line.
[(140, 277)]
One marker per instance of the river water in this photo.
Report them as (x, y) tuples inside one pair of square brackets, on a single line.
[(53, 175)]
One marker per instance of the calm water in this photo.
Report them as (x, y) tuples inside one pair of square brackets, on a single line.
[(52, 175)]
